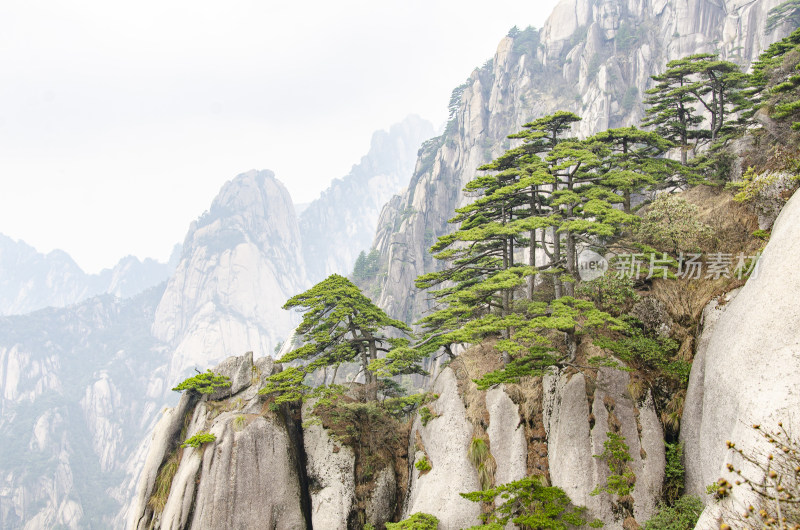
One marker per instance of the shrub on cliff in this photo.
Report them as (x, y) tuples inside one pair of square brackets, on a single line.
[(204, 383)]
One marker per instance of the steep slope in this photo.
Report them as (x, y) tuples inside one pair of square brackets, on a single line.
[(241, 261), (757, 329), (341, 222), (30, 280), (594, 58)]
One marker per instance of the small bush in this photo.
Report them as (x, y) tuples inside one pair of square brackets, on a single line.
[(418, 521), (423, 465), (673, 472), (616, 454), (204, 383), (425, 415), (609, 293), (680, 516), (648, 352), (199, 439), (672, 224), (480, 457)]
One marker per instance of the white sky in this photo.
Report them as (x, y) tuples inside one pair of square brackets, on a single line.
[(120, 121)]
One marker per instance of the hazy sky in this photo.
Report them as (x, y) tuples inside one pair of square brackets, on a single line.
[(120, 121)]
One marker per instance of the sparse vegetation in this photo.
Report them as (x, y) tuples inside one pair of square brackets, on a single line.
[(423, 465), (773, 476), (483, 461), (204, 383), (199, 439), (417, 521), (158, 499)]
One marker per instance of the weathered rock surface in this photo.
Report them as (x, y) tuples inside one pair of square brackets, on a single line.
[(331, 471), (747, 372), (445, 440), (506, 437), (241, 262), (573, 440), (251, 475)]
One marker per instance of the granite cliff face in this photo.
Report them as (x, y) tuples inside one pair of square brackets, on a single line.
[(30, 280), (241, 262), (757, 329), (594, 58), (341, 222)]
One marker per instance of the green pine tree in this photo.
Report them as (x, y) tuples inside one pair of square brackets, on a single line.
[(341, 325)]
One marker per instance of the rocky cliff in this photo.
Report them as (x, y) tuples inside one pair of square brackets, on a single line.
[(342, 221), (594, 58), (30, 280), (241, 261), (758, 329)]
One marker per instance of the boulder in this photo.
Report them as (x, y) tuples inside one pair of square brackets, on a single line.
[(239, 370)]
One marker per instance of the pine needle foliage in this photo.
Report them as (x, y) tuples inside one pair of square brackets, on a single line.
[(417, 521), (204, 383), (199, 439), (341, 325), (530, 505)]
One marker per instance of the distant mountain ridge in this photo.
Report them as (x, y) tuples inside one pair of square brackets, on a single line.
[(30, 280)]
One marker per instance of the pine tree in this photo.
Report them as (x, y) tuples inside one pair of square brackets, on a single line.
[(631, 160), (695, 82), (341, 325), (671, 109), (547, 183)]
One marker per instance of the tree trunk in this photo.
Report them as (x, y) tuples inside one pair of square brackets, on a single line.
[(556, 261)]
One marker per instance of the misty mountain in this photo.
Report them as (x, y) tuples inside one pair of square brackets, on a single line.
[(341, 222), (30, 280)]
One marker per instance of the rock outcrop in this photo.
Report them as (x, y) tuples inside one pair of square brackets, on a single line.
[(241, 261), (444, 441), (250, 475), (758, 330), (331, 474), (578, 414)]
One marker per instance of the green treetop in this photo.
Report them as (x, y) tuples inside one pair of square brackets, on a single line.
[(671, 110), (631, 160), (775, 82), (341, 325), (699, 81), (547, 184)]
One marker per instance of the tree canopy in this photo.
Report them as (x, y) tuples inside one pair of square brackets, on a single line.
[(342, 325)]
